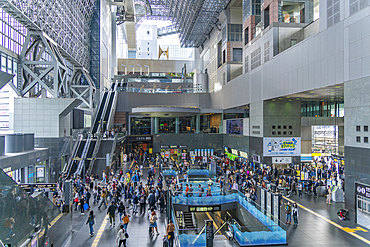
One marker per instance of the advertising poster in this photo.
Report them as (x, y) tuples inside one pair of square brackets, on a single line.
[(234, 126), (284, 146), (40, 172)]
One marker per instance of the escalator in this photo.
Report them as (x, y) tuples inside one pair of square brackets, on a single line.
[(94, 129), (109, 107), (188, 220), (78, 154), (89, 155)]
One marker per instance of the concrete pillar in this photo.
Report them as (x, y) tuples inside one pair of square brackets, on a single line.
[(221, 127), (177, 125), (197, 123), (152, 125), (341, 140), (156, 125)]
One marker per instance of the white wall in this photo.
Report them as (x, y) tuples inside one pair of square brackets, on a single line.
[(41, 116), (105, 43)]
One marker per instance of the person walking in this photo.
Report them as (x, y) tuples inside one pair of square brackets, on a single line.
[(126, 220), (295, 213), (170, 231), (121, 210), (288, 212), (300, 190), (104, 196), (111, 212), (91, 222), (121, 236), (328, 196), (142, 204), (153, 223), (95, 194)]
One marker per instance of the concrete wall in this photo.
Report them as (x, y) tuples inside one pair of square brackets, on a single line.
[(42, 117)]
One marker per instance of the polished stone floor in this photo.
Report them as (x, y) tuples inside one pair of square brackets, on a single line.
[(318, 226)]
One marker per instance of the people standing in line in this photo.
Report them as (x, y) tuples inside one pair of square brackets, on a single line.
[(295, 213), (328, 196), (111, 212), (288, 212), (121, 236), (170, 231), (153, 223), (91, 222)]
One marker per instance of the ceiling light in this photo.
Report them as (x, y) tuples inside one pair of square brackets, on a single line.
[(280, 98), (290, 100), (316, 95), (297, 98), (337, 87), (312, 92), (273, 100), (288, 97)]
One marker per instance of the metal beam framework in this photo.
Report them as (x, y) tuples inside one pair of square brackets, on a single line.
[(64, 21), (193, 19), (49, 75)]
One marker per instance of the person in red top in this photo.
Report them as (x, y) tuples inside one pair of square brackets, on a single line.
[(187, 190)]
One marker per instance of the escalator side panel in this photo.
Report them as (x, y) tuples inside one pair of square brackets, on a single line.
[(100, 112), (109, 108)]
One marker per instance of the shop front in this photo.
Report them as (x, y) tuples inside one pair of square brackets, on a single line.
[(362, 193), (176, 153)]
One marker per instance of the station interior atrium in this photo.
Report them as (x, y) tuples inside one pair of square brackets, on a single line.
[(203, 122)]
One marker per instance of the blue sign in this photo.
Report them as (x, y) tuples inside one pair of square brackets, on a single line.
[(31, 175)]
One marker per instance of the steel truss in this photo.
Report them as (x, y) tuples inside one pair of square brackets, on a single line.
[(194, 19), (64, 21)]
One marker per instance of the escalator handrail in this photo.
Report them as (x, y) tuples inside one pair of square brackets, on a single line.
[(101, 104), (75, 149), (94, 154), (83, 156)]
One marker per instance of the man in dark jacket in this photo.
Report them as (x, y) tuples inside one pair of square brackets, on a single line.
[(111, 212)]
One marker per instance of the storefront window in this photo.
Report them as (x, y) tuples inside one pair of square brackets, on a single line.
[(140, 126), (210, 123), (187, 124), (322, 109), (167, 125)]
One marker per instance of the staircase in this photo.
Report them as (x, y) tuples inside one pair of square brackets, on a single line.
[(188, 220)]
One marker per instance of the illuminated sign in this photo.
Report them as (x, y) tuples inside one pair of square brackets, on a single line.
[(283, 146), (205, 209)]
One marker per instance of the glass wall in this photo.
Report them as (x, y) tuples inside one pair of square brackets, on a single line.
[(140, 126), (325, 139), (292, 12), (167, 125), (187, 124), (322, 109), (210, 123)]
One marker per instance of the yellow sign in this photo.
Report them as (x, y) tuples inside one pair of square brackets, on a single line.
[(302, 175), (150, 150), (287, 144)]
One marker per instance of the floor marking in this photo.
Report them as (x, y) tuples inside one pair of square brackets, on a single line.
[(100, 232), (131, 163), (345, 229), (51, 224)]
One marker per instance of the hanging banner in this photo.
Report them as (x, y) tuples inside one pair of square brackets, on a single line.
[(283, 146)]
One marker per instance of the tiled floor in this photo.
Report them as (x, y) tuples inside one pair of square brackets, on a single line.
[(312, 229)]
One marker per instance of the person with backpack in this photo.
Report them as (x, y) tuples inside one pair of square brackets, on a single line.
[(295, 213), (91, 222), (121, 236), (153, 223), (288, 212), (111, 212), (135, 201), (200, 191), (121, 211), (126, 220), (142, 203)]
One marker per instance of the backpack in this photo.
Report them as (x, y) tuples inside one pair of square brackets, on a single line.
[(126, 220), (126, 235)]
